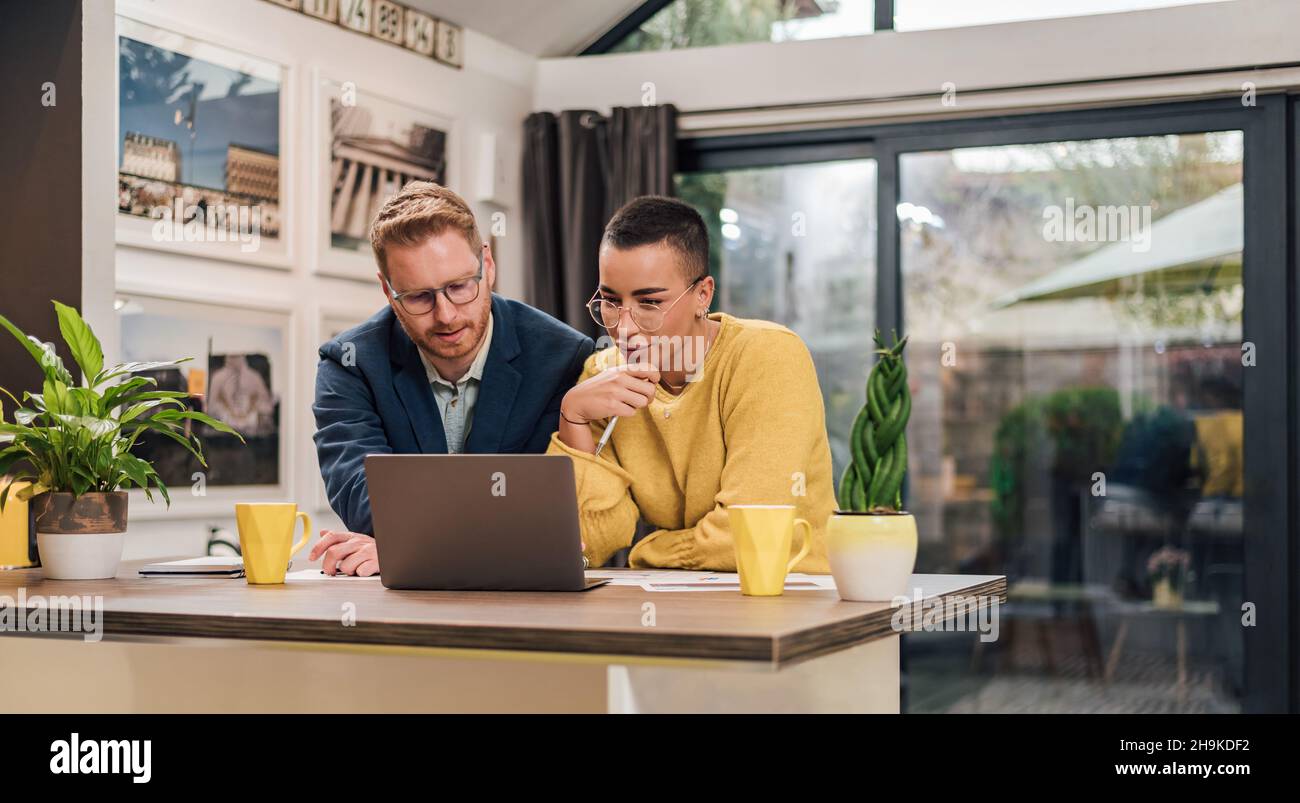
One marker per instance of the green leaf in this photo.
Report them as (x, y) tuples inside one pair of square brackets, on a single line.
[(104, 459), (135, 367), (21, 476), (133, 412), (191, 445), (10, 395), (85, 401), (56, 396), (9, 458), (195, 415), (170, 396), (123, 393), (96, 427), (32, 345), (82, 481), (25, 416), (135, 468), (81, 341), (43, 353), (162, 487), (52, 363), (156, 394), (37, 487), (152, 477)]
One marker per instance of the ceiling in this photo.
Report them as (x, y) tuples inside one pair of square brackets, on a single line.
[(537, 27)]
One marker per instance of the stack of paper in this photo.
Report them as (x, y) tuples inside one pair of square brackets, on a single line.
[(681, 580)]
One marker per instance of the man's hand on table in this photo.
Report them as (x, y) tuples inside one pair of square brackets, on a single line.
[(349, 553), (346, 553)]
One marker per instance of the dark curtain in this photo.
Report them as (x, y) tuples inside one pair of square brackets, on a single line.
[(541, 202), (579, 167)]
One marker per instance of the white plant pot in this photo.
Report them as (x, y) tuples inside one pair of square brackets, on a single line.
[(80, 556), (871, 555)]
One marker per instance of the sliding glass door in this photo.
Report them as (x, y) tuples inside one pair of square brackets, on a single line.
[(1102, 371), (1076, 318)]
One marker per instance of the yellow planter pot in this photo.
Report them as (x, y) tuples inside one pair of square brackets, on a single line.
[(1166, 596), (15, 530), (871, 554)]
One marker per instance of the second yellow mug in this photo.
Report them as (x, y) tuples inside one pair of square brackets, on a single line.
[(763, 535), (266, 538)]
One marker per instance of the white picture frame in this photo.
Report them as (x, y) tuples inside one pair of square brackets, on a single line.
[(167, 324), (329, 323), (341, 249), (163, 152)]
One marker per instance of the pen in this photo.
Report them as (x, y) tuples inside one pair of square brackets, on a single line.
[(604, 436)]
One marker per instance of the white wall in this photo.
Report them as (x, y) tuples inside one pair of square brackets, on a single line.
[(98, 153), (900, 74), (491, 95)]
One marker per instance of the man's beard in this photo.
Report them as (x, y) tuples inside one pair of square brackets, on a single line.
[(468, 342)]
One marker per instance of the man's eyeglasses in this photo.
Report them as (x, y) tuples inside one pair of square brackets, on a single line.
[(422, 302), (648, 316)]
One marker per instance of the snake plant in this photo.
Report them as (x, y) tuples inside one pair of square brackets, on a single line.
[(873, 481)]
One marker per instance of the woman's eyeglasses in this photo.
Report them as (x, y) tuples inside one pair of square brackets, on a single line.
[(648, 316), (422, 302)]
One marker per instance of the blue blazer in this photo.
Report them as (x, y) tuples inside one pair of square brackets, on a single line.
[(374, 397)]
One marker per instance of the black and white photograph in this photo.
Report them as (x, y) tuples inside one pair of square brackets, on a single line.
[(376, 146)]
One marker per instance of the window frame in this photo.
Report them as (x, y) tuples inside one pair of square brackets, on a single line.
[(884, 21)]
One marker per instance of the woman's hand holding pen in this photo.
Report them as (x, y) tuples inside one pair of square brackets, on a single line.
[(618, 391)]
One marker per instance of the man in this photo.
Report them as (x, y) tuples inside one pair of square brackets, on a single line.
[(446, 367)]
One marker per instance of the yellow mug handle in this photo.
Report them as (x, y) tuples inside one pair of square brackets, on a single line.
[(306, 533), (807, 544)]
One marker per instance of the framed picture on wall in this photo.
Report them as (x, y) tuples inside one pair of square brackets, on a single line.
[(239, 374), (371, 146), (201, 167)]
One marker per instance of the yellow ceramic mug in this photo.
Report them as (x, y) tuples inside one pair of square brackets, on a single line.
[(762, 534), (265, 535)]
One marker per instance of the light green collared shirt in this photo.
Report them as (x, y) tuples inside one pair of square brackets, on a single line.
[(456, 400)]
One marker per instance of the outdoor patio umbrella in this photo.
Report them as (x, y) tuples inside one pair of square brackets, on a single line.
[(1194, 248)]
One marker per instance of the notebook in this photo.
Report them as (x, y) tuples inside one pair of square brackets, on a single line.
[(211, 566)]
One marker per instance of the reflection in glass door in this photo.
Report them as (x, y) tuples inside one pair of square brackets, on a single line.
[(1075, 313), (796, 244)]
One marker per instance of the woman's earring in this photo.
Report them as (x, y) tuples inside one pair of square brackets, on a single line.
[(699, 313)]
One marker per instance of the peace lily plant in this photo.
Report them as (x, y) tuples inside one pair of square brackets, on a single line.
[(68, 448), (871, 540)]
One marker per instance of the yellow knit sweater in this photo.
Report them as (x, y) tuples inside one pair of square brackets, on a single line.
[(749, 430)]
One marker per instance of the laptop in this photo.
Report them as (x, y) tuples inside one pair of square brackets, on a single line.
[(453, 522)]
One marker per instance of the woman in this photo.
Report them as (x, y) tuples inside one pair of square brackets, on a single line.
[(712, 410)]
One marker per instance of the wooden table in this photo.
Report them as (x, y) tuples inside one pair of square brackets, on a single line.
[(1178, 614), (348, 644)]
